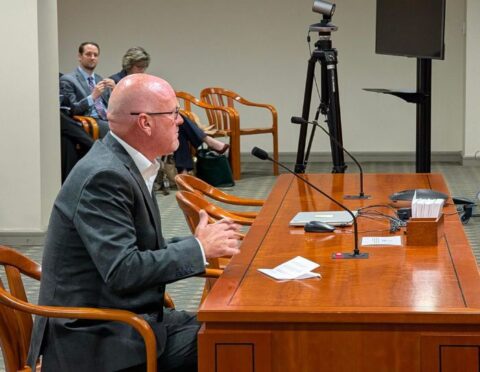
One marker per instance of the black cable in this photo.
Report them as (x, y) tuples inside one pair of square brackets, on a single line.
[(349, 231), (378, 215), (379, 206), (395, 223)]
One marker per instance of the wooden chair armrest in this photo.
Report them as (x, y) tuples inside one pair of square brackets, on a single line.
[(219, 213), (246, 214), (246, 102), (271, 108), (89, 124), (236, 200), (238, 98), (188, 99), (212, 273), (123, 316), (223, 197), (168, 301)]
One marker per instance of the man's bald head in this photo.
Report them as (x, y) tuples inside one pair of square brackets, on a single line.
[(137, 93), (144, 94)]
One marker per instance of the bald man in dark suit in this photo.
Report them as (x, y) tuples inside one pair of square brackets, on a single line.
[(105, 247)]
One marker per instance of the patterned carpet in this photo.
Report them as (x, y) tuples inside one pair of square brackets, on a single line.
[(257, 180)]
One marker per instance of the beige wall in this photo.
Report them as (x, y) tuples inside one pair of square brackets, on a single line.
[(259, 49), (256, 47), (472, 82), (29, 154)]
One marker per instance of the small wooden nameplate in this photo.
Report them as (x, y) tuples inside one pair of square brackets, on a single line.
[(424, 231)]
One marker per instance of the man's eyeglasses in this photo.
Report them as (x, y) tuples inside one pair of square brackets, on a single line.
[(174, 113)]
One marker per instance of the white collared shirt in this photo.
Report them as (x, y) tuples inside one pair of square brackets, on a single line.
[(147, 169)]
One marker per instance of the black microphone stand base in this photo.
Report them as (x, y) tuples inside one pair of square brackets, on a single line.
[(356, 197), (349, 256)]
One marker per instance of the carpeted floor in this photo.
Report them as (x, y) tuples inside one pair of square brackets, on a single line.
[(257, 180)]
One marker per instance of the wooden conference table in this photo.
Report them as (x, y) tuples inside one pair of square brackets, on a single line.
[(407, 308)]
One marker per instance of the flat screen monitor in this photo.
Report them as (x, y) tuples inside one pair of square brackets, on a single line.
[(411, 28)]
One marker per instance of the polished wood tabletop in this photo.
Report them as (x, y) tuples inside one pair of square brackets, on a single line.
[(396, 285)]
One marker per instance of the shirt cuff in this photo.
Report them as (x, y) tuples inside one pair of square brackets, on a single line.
[(90, 100), (203, 252)]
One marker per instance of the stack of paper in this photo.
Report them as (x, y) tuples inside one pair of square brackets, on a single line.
[(426, 208), (296, 268)]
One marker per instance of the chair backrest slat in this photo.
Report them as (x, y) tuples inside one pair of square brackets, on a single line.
[(24, 321), (15, 338), (215, 111), (9, 340)]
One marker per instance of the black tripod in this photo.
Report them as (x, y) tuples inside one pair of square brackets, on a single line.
[(329, 100)]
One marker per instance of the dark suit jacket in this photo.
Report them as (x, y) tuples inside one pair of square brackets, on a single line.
[(118, 76), (75, 143), (75, 88), (104, 248)]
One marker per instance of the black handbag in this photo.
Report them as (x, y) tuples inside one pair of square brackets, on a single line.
[(214, 168)]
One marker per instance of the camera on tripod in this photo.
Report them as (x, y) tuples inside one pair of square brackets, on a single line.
[(323, 7), (329, 106), (327, 9)]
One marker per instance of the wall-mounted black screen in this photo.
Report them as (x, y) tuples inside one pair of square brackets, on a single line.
[(411, 28)]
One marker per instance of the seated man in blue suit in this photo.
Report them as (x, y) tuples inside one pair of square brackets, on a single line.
[(87, 92), (105, 247)]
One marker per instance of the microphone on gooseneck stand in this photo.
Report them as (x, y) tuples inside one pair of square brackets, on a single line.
[(361, 194), (263, 155)]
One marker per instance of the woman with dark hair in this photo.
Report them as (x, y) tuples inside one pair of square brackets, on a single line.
[(136, 61)]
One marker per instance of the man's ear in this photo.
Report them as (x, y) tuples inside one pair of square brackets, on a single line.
[(144, 124)]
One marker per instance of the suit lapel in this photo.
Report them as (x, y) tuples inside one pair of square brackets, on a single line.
[(83, 83), (150, 201)]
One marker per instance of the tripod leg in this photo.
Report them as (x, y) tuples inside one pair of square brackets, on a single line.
[(300, 163), (312, 135), (334, 120)]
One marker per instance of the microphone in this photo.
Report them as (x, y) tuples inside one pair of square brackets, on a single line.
[(263, 155), (361, 194)]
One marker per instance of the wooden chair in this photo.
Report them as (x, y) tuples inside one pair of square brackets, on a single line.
[(193, 184), (224, 122), (16, 313), (191, 204), (220, 97)]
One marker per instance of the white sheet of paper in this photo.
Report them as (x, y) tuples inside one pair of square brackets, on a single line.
[(382, 240), (296, 268)]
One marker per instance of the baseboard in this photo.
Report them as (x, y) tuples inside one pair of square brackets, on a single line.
[(380, 157), (22, 238), (471, 161)]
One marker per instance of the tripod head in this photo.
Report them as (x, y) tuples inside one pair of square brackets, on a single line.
[(324, 27)]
